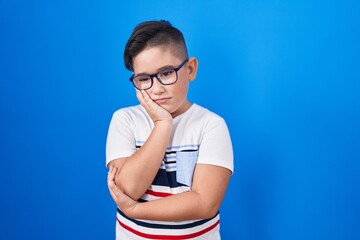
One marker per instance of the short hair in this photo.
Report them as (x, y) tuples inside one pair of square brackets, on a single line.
[(153, 34)]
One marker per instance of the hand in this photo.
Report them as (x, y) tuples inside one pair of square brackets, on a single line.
[(155, 111), (126, 204)]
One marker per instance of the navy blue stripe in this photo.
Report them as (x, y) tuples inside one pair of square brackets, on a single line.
[(170, 161), (166, 226), (166, 179), (172, 152), (184, 150)]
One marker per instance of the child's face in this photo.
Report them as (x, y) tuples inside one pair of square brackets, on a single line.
[(171, 97)]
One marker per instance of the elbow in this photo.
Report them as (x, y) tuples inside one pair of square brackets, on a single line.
[(209, 208), (210, 211), (128, 188), (206, 207)]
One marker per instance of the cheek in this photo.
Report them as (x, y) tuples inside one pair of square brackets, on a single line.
[(183, 83), (182, 88)]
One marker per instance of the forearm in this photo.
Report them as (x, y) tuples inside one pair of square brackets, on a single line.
[(202, 202), (139, 170), (180, 207)]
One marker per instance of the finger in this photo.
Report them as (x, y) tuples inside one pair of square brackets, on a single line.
[(111, 173), (111, 183), (111, 180), (118, 196), (112, 194), (150, 104), (113, 191), (146, 101), (147, 97), (138, 94), (140, 97)]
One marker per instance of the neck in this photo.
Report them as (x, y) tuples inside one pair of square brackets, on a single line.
[(185, 106)]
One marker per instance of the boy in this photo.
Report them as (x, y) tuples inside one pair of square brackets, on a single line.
[(170, 160)]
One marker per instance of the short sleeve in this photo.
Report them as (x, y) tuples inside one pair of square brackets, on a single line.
[(120, 139), (216, 147)]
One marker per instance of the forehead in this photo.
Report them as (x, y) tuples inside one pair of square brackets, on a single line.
[(152, 59)]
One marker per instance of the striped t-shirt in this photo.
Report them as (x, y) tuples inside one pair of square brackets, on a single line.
[(198, 136)]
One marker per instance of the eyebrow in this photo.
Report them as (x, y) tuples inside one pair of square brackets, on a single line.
[(157, 70)]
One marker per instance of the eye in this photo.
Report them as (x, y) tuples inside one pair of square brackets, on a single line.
[(142, 78), (167, 73)]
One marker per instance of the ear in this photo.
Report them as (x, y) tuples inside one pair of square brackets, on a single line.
[(192, 66)]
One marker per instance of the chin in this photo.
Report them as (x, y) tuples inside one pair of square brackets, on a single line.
[(171, 111)]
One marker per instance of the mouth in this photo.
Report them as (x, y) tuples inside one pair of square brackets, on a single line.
[(161, 100)]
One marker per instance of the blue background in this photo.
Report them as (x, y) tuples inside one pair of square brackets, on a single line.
[(284, 74)]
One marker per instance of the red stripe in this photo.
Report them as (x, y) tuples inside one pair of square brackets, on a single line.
[(157, 194), (153, 236)]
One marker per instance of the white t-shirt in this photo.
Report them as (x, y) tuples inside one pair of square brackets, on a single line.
[(198, 136)]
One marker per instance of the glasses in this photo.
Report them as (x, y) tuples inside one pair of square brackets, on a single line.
[(165, 77)]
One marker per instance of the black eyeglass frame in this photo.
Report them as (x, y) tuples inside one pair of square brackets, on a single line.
[(156, 75)]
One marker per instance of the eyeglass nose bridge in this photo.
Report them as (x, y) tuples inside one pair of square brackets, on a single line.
[(152, 76), (158, 78)]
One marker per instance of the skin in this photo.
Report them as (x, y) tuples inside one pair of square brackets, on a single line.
[(163, 103), (154, 59)]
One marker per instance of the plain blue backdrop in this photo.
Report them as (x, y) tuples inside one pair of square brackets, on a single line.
[(284, 74)]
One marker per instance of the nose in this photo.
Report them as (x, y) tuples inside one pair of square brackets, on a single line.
[(157, 88)]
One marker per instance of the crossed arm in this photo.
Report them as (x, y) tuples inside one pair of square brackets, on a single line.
[(129, 178), (136, 173), (203, 201)]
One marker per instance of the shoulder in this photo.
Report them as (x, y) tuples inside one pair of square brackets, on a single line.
[(205, 112), (132, 112), (200, 120), (206, 116), (131, 116)]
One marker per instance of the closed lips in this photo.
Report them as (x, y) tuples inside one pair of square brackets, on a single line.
[(161, 99)]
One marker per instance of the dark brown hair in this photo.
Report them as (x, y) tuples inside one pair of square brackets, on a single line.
[(153, 33)]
